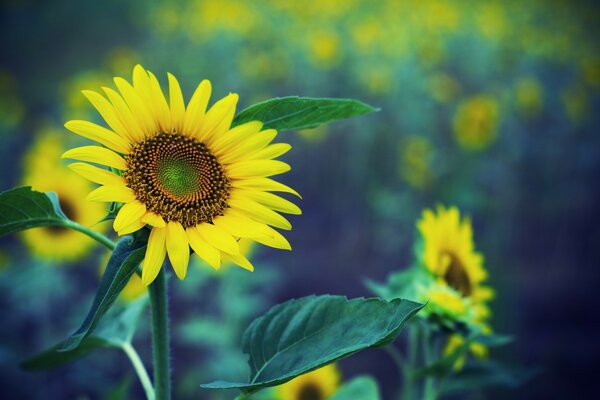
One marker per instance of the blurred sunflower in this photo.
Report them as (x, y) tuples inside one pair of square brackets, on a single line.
[(448, 252), (43, 174), (185, 172), (320, 384), (475, 123)]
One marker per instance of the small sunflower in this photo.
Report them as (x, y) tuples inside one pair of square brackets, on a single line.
[(184, 171), (448, 252), (476, 121), (320, 384), (42, 174)]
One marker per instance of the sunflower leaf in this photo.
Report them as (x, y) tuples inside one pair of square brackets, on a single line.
[(22, 208), (295, 113), (362, 387), (304, 334), (121, 266), (116, 328)]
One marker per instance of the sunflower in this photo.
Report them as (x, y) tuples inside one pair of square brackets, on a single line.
[(184, 172), (448, 252), (320, 384), (42, 174), (475, 122)]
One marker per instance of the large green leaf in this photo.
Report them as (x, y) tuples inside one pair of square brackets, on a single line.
[(115, 329), (302, 335), (121, 265), (294, 113), (361, 387), (22, 208)]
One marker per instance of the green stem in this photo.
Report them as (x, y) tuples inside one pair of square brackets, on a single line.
[(139, 369), (91, 233), (160, 336), (429, 392), (413, 343)]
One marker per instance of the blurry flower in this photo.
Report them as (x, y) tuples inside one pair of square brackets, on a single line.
[(455, 342), (475, 123), (444, 88), (575, 102), (591, 71), (134, 288), (443, 301), (185, 172), (314, 135), (377, 79), (44, 174), (529, 94), (491, 20), (416, 153), (320, 384), (12, 109), (73, 103), (324, 48), (448, 252), (441, 16), (121, 60)]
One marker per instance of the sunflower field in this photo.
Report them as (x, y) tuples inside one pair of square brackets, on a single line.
[(290, 200)]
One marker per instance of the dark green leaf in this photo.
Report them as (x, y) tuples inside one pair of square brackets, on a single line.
[(121, 265), (22, 208), (302, 335), (361, 387), (116, 328), (295, 113)]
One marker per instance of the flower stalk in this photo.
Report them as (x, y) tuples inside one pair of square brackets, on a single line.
[(160, 336)]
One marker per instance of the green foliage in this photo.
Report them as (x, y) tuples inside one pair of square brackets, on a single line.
[(295, 113), (361, 387), (116, 328), (121, 266), (22, 208), (304, 334), (475, 376)]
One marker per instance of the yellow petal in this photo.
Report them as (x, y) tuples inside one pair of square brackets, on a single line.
[(155, 255), (98, 155), (153, 219), (160, 104), (141, 84), (178, 248), (234, 136), (253, 144), (128, 214), (120, 194), (256, 169), (259, 212), (218, 238), (240, 225), (177, 104), (139, 110), (275, 240), (133, 227), (196, 109), (133, 130), (239, 260), (97, 175), (99, 134), (204, 250), (218, 119), (272, 201), (269, 152), (265, 184), (107, 111)]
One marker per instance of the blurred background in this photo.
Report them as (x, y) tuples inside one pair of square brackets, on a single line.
[(491, 106)]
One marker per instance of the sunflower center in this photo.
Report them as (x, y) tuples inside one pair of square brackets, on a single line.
[(456, 276), (178, 178), (310, 391)]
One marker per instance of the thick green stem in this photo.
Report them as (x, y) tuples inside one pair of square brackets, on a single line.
[(138, 365), (91, 233), (160, 336)]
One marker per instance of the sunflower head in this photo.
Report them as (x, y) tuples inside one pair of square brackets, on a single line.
[(320, 384), (42, 174), (184, 172)]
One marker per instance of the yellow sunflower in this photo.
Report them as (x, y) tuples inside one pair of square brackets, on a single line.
[(42, 174), (320, 384), (476, 121), (448, 252), (184, 171)]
